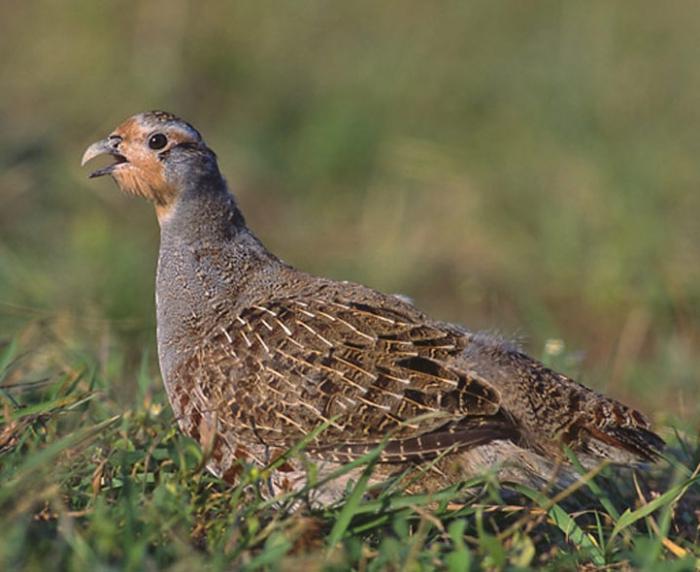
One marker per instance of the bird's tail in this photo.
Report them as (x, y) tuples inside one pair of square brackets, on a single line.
[(552, 408), (627, 440)]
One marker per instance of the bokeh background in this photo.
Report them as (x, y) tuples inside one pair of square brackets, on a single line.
[(529, 168)]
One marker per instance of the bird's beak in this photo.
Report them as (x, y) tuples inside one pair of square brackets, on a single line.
[(107, 146)]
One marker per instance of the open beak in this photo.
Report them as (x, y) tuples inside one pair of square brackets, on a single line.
[(107, 146)]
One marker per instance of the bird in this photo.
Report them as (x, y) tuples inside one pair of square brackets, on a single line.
[(257, 356)]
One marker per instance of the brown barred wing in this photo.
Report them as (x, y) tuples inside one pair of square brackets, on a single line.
[(455, 436), (366, 370)]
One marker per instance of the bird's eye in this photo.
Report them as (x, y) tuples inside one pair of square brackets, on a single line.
[(157, 141)]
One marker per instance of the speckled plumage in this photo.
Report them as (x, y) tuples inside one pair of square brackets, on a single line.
[(255, 354)]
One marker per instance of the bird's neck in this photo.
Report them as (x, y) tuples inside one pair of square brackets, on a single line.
[(202, 211), (207, 259)]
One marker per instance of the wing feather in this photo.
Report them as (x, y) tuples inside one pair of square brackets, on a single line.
[(365, 369)]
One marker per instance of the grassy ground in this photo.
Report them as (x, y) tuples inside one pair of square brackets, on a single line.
[(531, 169), (89, 483)]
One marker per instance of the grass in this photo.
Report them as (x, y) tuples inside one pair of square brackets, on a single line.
[(532, 169), (91, 483)]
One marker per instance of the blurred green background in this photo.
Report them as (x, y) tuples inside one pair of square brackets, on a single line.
[(530, 168)]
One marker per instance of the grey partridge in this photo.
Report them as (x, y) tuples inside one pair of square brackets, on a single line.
[(255, 354)]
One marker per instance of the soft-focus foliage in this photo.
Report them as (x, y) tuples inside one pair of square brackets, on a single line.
[(529, 168)]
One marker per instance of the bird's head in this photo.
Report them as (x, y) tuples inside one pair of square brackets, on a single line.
[(156, 156)]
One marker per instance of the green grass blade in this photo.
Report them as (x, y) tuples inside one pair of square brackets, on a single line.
[(599, 493), (43, 459), (6, 357), (566, 524), (351, 505), (672, 495), (69, 401)]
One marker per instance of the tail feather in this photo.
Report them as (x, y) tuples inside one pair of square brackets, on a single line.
[(640, 442), (551, 408)]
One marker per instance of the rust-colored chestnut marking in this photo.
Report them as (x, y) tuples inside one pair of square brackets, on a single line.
[(143, 173)]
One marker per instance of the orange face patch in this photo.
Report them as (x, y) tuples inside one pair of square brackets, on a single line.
[(143, 173)]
